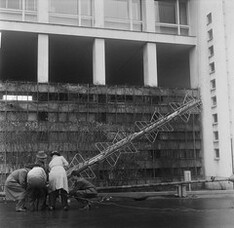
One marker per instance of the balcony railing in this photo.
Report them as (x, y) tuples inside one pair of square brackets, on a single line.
[(71, 19), (124, 24), (174, 29)]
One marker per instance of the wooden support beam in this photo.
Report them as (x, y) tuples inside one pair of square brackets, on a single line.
[(176, 183)]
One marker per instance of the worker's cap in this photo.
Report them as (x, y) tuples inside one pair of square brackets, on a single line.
[(41, 154), (55, 152)]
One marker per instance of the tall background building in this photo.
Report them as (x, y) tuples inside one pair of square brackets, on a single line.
[(77, 72)]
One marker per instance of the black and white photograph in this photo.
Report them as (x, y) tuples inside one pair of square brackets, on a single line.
[(116, 113)]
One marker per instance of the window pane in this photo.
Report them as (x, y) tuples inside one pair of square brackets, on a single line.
[(86, 7), (183, 14), (31, 5), (66, 7), (116, 9), (14, 4), (210, 34), (217, 155), (211, 51), (165, 11), (3, 3), (215, 118), (136, 10), (209, 18), (216, 135)]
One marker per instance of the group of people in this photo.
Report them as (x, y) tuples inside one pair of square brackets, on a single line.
[(31, 185), (37, 186)]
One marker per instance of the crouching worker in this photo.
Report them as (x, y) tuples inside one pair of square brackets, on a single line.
[(82, 188), (15, 187), (36, 188)]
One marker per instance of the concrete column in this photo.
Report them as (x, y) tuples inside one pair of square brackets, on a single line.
[(99, 13), (99, 71), (148, 15), (193, 66), (43, 11), (150, 65), (43, 58)]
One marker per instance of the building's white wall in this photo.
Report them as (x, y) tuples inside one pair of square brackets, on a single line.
[(229, 34), (223, 166), (207, 139), (193, 16), (193, 55)]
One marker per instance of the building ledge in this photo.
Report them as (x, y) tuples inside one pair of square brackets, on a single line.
[(92, 32)]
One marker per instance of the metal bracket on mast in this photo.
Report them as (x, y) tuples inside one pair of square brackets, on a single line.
[(157, 116), (151, 136), (113, 158), (129, 148), (78, 162), (187, 99)]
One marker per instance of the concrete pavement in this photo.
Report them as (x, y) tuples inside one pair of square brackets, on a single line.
[(203, 210)]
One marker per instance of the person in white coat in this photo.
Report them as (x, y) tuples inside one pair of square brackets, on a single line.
[(58, 183)]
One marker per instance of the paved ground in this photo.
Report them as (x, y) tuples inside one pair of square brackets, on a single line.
[(201, 211)]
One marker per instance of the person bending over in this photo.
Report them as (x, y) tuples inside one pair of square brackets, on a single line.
[(15, 187), (36, 188)]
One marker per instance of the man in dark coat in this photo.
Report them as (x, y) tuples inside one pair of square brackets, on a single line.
[(82, 188)]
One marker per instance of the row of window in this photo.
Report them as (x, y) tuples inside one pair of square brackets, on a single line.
[(171, 16), (71, 117), (30, 5), (213, 85), (85, 98)]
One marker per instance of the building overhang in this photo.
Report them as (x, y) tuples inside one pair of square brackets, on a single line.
[(91, 32)]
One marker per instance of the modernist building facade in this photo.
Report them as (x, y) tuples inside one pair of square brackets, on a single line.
[(215, 63), (184, 44)]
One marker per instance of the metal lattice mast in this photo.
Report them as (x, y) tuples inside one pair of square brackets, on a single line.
[(146, 128)]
